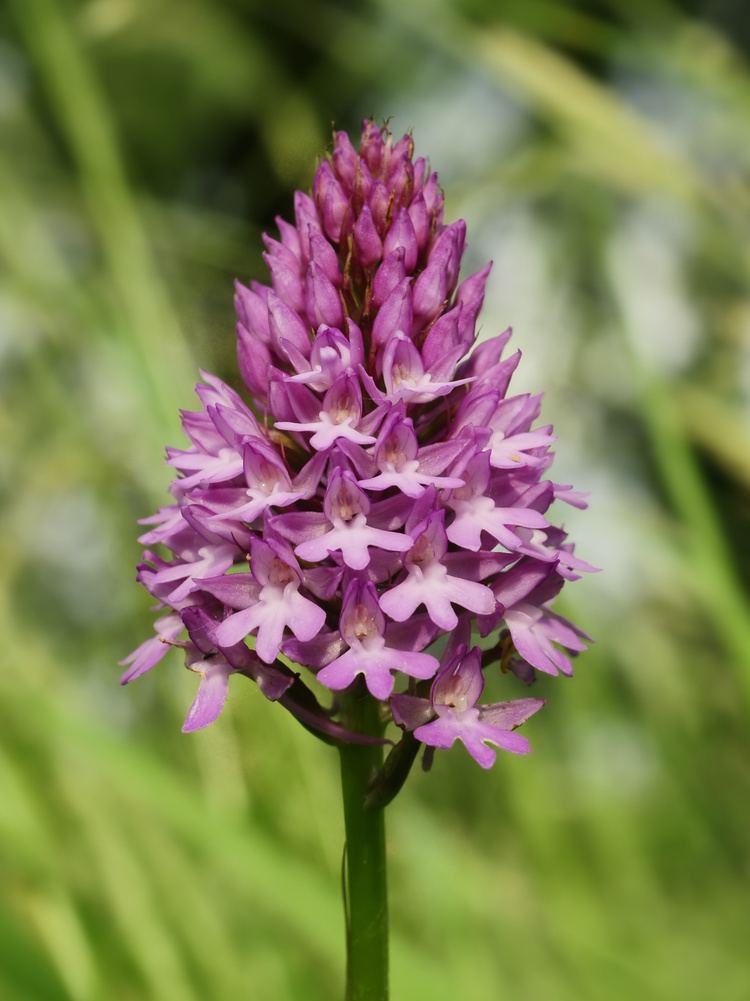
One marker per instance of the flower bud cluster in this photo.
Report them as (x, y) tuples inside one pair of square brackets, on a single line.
[(381, 489)]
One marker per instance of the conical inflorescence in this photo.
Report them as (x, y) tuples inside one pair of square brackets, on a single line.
[(376, 489)]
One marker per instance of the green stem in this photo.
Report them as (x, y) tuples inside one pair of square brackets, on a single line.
[(366, 895)]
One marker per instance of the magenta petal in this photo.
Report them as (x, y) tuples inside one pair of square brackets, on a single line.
[(376, 665), (465, 532), (317, 652), (314, 550), (235, 628), (410, 711), (271, 622), (507, 715), (467, 727), (305, 619), (515, 584), (401, 601), (516, 743), (344, 670), (416, 665), (152, 650), (469, 594), (531, 642), (442, 732), (238, 590), (300, 526), (211, 696)]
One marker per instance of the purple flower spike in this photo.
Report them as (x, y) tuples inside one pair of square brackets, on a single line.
[(385, 484)]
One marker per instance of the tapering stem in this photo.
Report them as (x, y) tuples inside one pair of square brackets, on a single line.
[(365, 879)]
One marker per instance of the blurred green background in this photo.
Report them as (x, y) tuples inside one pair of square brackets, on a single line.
[(600, 153)]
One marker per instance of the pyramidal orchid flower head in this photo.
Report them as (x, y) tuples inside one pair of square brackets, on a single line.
[(373, 490)]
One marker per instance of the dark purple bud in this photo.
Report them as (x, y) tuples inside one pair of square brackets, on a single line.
[(323, 302), (285, 325), (388, 276), (336, 213), (287, 283), (402, 235), (395, 314), (331, 200), (442, 339), (306, 217), (433, 198), (345, 160), (280, 252), (430, 294), (420, 220), (252, 311), (278, 395), (364, 183), (400, 179), (253, 358), (470, 294), (289, 236), (420, 169), (372, 146), (449, 247), (435, 284), (356, 343), (323, 254), (471, 291), (366, 239), (404, 148), (380, 201), (486, 355)]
